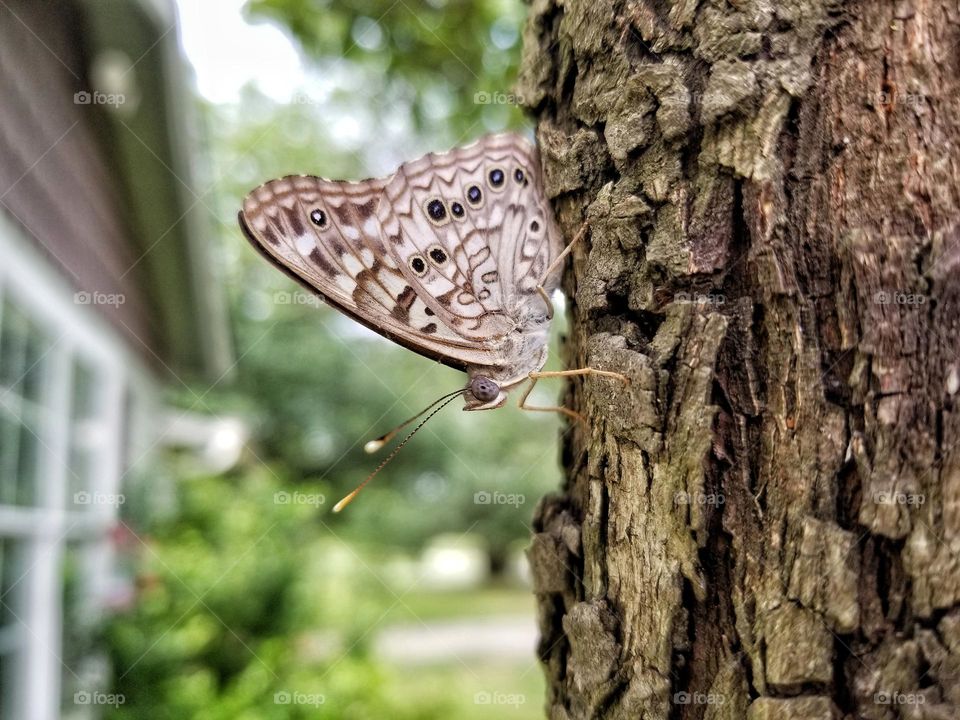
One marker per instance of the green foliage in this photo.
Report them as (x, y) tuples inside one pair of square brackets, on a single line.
[(248, 607), (229, 591), (440, 53)]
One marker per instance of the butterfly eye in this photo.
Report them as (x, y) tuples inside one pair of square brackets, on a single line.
[(437, 254), (484, 389), (474, 196), (518, 175), (418, 265), (496, 177), (436, 211), (318, 218), (456, 209)]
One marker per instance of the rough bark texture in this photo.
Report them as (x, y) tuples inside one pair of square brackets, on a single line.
[(766, 524)]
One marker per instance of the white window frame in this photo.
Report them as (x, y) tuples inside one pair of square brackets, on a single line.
[(79, 331)]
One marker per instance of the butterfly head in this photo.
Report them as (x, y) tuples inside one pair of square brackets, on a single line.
[(483, 394)]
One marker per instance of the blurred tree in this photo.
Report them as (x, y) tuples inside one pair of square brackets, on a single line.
[(760, 527), (458, 54)]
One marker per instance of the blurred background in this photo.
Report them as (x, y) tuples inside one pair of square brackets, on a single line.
[(177, 419)]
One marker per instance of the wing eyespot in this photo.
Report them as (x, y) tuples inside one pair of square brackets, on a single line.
[(418, 265), (436, 211), (318, 217), (518, 175), (474, 196), (456, 209), (496, 178), (437, 254), (534, 226)]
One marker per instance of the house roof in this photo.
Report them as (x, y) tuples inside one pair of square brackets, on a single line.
[(98, 165)]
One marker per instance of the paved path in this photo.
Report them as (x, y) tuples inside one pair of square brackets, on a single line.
[(500, 637)]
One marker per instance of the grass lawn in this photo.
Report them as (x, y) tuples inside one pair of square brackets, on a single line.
[(476, 692), (445, 604)]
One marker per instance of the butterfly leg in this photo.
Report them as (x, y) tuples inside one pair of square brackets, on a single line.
[(534, 376), (581, 233)]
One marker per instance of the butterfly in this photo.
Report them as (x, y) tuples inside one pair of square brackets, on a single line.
[(454, 256)]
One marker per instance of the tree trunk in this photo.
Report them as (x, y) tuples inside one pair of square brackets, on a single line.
[(766, 523)]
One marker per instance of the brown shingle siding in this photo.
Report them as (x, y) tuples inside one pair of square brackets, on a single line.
[(56, 180)]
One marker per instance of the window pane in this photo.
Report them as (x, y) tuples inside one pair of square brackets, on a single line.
[(84, 668), (13, 636), (10, 687), (76, 631), (9, 457), (19, 455), (24, 349), (87, 437), (86, 400), (11, 585), (12, 346), (27, 461)]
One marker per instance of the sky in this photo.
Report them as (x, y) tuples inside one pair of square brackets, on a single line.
[(217, 41)]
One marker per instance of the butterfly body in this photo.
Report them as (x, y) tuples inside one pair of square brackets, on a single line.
[(445, 257)]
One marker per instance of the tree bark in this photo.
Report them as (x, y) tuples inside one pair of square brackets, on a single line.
[(766, 523)]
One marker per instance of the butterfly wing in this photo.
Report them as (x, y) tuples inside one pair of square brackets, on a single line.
[(327, 236), (471, 229)]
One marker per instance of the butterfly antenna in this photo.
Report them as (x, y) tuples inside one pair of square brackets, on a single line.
[(443, 402), (373, 446)]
